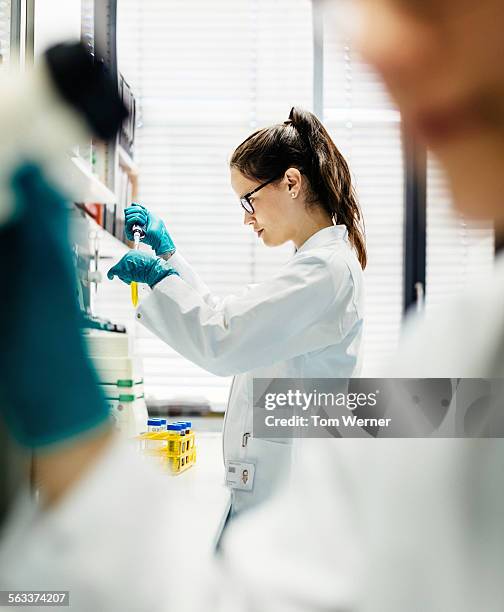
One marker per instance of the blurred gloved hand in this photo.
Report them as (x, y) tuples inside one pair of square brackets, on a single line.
[(140, 267), (156, 234), (48, 387)]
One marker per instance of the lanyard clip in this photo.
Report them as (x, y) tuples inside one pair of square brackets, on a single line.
[(245, 438)]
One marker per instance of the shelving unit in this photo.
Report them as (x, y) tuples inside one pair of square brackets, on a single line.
[(87, 187)]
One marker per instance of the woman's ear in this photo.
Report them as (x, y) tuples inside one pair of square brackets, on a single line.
[(293, 180)]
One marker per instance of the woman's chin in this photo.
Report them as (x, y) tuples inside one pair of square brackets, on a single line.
[(268, 240), (477, 181)]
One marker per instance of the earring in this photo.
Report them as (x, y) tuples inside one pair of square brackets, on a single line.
[(293, 195)]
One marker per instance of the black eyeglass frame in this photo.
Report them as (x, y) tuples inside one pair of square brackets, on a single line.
[(246, 203)]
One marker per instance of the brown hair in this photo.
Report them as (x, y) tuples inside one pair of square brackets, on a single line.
[(302, 142)]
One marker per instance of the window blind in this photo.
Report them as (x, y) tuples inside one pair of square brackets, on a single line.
[(87, 24), (458, 250), (206, 74), (5, 18), (366, 128)]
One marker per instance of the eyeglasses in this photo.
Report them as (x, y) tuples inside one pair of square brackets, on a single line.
[(246, 203)]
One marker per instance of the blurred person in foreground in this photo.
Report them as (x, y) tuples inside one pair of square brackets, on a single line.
[(413, 524), (401, 525)]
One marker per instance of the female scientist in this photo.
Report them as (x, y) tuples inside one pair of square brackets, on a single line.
[(304, 322)]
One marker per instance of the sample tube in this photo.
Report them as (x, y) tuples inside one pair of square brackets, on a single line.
[(183, 434), (173, 428), (155, 426)]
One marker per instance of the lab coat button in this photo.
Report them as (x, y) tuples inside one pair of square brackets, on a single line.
[(139, 316)]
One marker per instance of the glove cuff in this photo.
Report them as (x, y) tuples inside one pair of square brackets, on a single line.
[(165, 251), (163, 274)]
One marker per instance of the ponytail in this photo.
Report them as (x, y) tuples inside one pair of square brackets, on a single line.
[(302, 142)]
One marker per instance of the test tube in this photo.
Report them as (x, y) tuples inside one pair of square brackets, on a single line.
[(182, 433), (174, 429), (154, 426)]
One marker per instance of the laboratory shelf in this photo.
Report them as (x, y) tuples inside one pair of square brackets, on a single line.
[(85, 186)]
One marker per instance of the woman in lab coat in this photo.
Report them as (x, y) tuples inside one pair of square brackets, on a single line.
[(304, 322)]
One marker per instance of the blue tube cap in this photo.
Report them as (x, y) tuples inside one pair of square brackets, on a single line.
[(156, 422), (186, 424)]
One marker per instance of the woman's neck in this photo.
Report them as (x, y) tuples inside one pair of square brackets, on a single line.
[(311, 226)]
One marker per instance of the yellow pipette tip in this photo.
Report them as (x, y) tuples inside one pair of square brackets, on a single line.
[(134, 294), (134, 286)]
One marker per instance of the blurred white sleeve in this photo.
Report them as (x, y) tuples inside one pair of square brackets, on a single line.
[(375, 526), (119, 540), (389, 525)]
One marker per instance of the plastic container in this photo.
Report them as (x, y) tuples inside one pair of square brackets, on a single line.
[(155, 426), (173, 428), (187, 425), (178, 451), (189, 439)]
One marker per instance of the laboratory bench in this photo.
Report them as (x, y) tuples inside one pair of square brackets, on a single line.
[(202, 486)]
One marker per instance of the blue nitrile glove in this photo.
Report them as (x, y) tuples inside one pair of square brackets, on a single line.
[(140, 267), (156, 234), (48, 387)]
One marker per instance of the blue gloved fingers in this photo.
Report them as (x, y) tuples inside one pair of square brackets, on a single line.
[(156, 234), (140, 267), (135, 215), (135, 266), (119, 271), (136, 209), (136, 212), (130, 223), (137, 205)]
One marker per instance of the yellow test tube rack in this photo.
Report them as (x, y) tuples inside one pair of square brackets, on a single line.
[(176, 453)]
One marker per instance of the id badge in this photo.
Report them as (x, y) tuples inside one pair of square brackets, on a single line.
[(240, 475)]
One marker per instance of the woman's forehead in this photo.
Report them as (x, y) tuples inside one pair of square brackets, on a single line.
[(241, 183)]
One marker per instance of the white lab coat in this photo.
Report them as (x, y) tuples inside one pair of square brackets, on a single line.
[(390, 524), (305, 322), (374, 526)]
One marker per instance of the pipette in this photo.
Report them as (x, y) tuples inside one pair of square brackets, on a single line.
[(138, 234)]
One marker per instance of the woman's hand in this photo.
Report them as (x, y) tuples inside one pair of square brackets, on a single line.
[(156, 234), (140, 267)]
